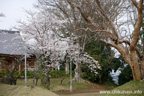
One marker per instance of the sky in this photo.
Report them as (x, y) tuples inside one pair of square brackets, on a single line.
[(14, 10)]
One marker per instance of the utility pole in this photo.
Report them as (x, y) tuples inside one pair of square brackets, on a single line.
[(25, 69), (70, 74)]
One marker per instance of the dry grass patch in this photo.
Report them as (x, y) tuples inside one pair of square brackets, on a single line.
[(19, 90)]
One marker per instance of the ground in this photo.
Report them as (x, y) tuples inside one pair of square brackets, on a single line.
[(79, 89), (19, 90), (132, 88)]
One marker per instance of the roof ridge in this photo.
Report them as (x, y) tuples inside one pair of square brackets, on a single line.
[(9, 31)]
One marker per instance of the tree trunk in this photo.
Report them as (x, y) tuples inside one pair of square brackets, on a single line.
[(135, 65), (62, 80), (9, 80), (67, 68), (35, 80), (13, 79), (77, 76), (142, 68), (131, 60), (48, 81), (42, 79)]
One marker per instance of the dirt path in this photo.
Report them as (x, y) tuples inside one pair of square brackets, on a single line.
[(93, 90), (78, 93), (82, 94)]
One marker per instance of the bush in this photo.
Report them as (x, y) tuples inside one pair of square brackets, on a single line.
[(3, 73), (57, 73), (30, 74), (84, 75)]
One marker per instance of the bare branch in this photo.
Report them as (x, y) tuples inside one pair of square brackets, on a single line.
[(102, 31), (135, 3), (138, 24), (83, 15), (111, 25)]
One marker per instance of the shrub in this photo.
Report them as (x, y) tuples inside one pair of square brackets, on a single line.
[(3, 73), (57, 73), (30, 74), (84, 75)]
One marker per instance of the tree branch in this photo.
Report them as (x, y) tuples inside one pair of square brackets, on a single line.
[(83, 15), (140, 55), (102, 31), (138, 24), (135, 3), (107, 43), (111, 25)]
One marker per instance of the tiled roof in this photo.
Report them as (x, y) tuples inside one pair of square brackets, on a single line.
[(11, 43)]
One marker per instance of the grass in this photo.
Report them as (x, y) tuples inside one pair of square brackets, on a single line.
[(55, 86), (131, 87), (19, 90)]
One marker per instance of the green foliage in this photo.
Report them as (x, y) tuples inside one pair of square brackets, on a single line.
[(16, 74), (125, 75), (3, 73), (30, 74), (117, 62), (84, 75), (104, 55), (59, 73), (62, 66), (91, 76), (87, 74), (22, 74)]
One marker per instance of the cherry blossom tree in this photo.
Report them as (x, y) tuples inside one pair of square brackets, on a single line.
[(62, 10), (44, 30), (74, 51), (40, 38)]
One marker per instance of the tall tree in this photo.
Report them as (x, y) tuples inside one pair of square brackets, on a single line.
[(63, 10), (105, 21), (42, 41)]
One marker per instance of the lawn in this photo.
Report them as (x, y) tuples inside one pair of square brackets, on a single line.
[(63, 89), (132, 88), (55, 86)]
